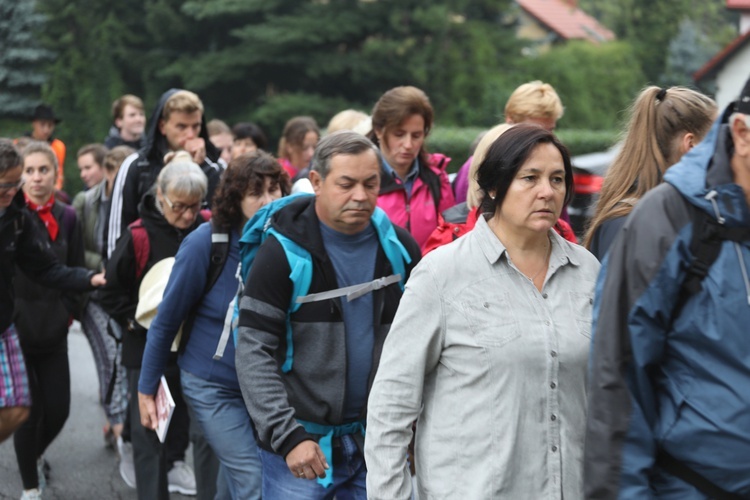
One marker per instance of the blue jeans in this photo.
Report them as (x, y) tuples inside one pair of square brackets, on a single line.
[(349, 477), (222, 415)]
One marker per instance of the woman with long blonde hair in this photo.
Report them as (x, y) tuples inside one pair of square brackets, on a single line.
[(665, 123)]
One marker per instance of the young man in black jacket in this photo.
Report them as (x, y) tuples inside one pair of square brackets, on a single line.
[(178, 123)]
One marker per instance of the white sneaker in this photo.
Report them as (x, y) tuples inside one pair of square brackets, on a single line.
[(127, 468), (181, 479), (34, 494)]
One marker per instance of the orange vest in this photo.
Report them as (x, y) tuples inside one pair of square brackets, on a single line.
[(59, 148)]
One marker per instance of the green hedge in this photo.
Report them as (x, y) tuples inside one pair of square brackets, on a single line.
[(455, 142)]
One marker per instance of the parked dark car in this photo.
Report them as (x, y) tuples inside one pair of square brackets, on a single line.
[(588, 177)]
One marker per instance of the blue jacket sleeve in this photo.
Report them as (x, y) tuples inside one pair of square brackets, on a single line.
[(183, 292)]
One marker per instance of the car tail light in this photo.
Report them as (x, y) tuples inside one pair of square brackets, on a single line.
[(585, 183)]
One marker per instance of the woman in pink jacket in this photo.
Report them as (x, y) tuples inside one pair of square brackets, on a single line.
[(414, 187)]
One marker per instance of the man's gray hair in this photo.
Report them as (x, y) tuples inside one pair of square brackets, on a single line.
[(183, 178), (343, 142)]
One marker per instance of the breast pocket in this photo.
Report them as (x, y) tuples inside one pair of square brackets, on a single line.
[(492, 321), (581, 305)]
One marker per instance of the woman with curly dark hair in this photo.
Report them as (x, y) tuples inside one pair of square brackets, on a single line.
[(209, 381)]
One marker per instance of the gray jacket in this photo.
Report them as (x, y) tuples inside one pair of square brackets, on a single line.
[(314, 389)]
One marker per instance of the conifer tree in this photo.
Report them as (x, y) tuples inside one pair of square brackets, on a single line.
[(21, 58)]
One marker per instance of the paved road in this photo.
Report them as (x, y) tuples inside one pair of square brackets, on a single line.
[(82, 468)]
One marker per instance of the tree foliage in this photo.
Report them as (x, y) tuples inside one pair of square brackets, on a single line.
[(21, 58), (596, 83), (649, 26)]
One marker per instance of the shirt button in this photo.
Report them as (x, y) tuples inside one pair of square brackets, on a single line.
[(553, 354), (554, 449), (544, 295), (546, 323), (552, 385), (553, 417)]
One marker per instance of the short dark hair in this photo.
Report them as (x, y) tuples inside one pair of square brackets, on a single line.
[(246, 173), (249, 130), (9, 156), (506, 156), (343, 142), (98, 151)]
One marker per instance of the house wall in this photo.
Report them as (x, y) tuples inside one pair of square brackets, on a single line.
[(731, 78), (530, 29)]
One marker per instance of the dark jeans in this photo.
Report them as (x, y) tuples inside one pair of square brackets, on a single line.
[(151, 459), (49, 382)]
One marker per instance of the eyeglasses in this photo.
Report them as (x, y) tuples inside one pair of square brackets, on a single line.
[(181, 208), (4, 188)]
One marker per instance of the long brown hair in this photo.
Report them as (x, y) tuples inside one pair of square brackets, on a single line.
[(650, 145)]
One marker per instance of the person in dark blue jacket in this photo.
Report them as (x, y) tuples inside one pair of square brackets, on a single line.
[(210, 385), (669, 408)]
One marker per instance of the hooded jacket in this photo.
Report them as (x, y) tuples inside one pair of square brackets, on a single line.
[(140, 170), (119, 297), (678, 384), (114, 139), (24, 245), (314, 390), (419, 213)]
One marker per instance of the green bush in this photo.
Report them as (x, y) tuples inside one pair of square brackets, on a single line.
[(455, 142)]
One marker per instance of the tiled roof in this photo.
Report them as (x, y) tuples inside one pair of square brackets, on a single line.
[(717, 61), (568, 22), (738, 4)]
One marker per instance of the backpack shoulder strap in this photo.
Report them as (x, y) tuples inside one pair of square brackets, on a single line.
[(394, 250), (705, 245), (68, 219), (141, 245), (300, 265), (219, 255)]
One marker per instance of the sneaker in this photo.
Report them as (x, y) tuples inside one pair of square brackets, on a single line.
[(34, 494), (181, 479), (42, 473), (127, 468)]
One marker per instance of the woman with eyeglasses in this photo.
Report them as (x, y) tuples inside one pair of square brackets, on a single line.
[(208, 373), (169, 212)]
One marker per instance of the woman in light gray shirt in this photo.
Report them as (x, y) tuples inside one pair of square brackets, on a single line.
[(489, 347)]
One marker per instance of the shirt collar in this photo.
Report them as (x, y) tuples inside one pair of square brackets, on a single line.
[(410, 176), (494, 249)]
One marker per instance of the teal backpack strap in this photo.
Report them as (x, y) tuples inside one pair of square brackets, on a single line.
[(300, 264), (392, 246), (327, 433)]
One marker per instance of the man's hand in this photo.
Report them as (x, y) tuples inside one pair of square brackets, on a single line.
[(98, 280), (197, 149), (306, 460), (147, 407)]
